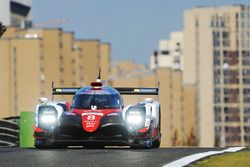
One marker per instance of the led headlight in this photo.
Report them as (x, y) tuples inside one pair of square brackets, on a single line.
[(48, 119), (134, 119), (47, 116)]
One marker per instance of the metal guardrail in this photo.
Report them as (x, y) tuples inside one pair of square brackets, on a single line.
[(9, 132)]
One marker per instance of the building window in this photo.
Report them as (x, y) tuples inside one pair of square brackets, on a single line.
[(217, 100), (216, 81), (230, 73), (216, 53), (229, 129), (247, 130), (232, 118), (225, 34), (246, 99), (217, 109), (232, 111), (231, 91), (246, 54), (217, 72), (246, 80), (226, 43), (217, 119), (165, 52), (216, 61), (231, 81), (246, 118), (246, 110), (245, 72)]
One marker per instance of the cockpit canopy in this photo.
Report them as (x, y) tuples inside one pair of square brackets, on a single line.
[(101, 101)]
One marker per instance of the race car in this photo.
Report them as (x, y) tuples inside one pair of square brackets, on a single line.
[(97, 118)]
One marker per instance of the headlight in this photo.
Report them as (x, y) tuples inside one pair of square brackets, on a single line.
[(47, 116), (48, 119), (134, 119)]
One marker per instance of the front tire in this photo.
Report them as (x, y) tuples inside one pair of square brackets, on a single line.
[(156, 143), (41, 144)]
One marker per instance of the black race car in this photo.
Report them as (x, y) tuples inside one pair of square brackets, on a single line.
[(97, 118)]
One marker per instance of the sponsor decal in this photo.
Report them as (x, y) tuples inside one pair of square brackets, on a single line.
[(70, 90), (93, 107), (91, 121), (92, 113), (58, 90), (136, 90), (90, 124), (148, 90)]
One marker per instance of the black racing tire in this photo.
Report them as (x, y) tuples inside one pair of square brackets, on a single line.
[(143, 146), (156, 143)]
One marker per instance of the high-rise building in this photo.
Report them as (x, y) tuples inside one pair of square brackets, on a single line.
[(16, 13), (32, 58), (169, 53), (216, 59)]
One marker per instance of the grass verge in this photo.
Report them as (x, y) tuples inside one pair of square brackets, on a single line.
[(238, 159)]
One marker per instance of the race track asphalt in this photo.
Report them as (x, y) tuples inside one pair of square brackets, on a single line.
[(118, 157)]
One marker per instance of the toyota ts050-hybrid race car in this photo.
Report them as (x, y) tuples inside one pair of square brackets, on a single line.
[(96, 118)]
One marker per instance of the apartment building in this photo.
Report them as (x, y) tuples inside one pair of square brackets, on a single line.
[(216, 59), (170, 53), (31, 59)]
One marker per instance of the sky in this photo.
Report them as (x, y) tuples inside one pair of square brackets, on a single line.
[(132, 27)]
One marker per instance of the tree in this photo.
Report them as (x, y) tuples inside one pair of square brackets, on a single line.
[(2, 29), (175, 140), (192, 139)]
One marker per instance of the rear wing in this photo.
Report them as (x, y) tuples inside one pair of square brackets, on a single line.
[(137, 91), (121, 90)]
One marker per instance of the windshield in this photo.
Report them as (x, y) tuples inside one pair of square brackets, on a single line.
[(103, 101)]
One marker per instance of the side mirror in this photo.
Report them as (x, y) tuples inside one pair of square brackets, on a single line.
[(43, 100), (68, 104)]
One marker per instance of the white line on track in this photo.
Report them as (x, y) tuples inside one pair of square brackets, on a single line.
[(192, 158)]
